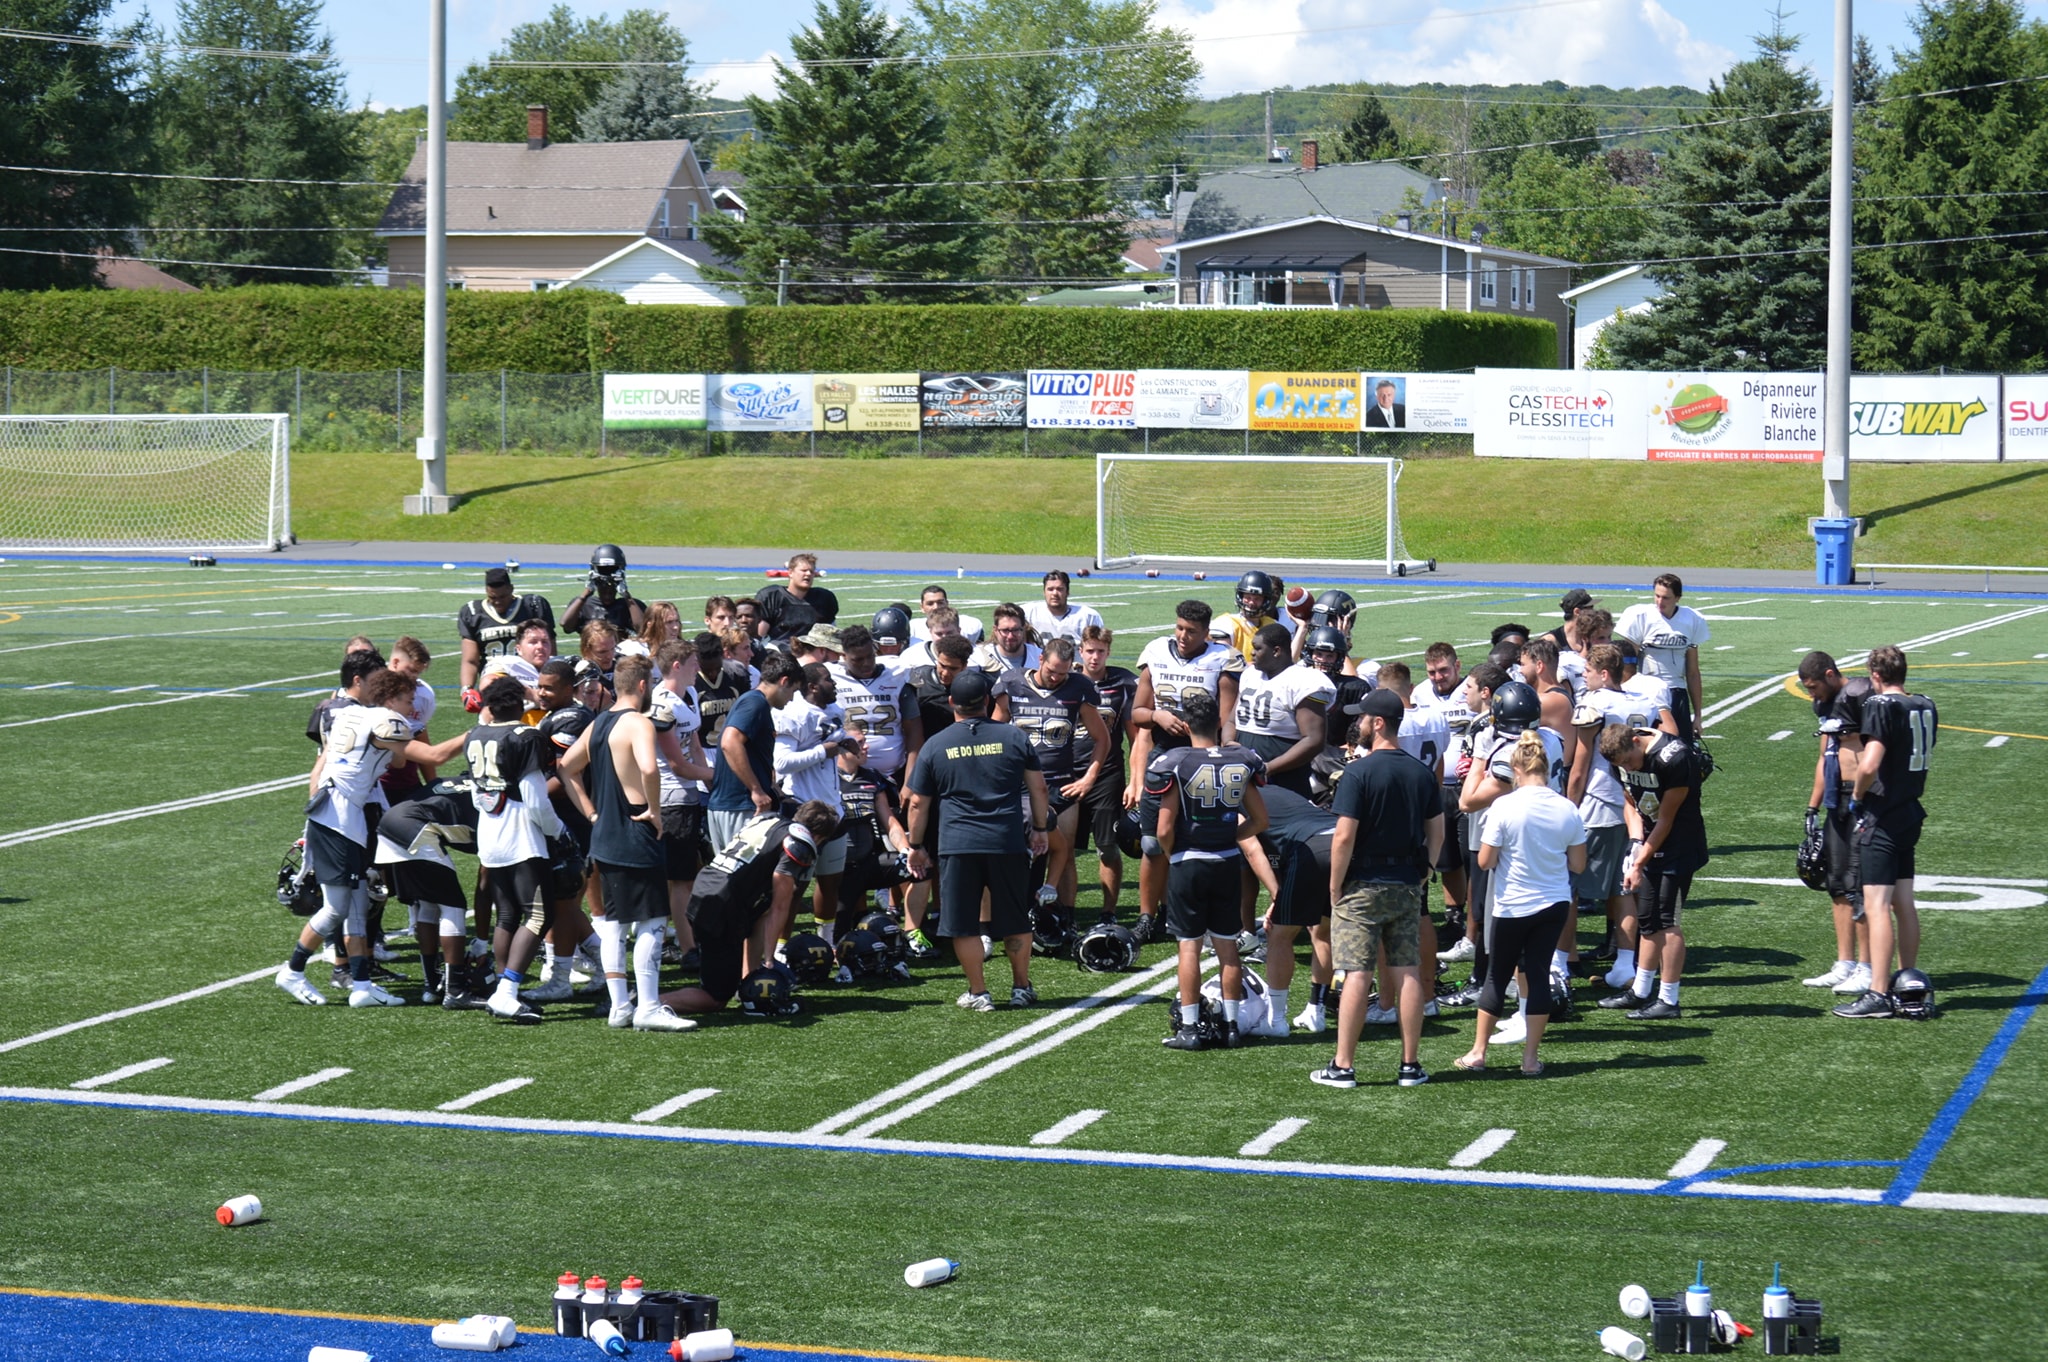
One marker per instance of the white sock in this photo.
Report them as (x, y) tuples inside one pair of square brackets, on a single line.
[(1560, 963), (1276, 1002), (825, 929), (1847, 964), (1522, 1010), (547, 955), (647, 968), (507, 991), (1645, 982), (611, 953), (1190, 1013), (1669, 992), (1230, 1006), (1625, 962)]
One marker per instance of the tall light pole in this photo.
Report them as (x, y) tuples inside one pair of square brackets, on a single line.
[(1841, 246), (431, 447)]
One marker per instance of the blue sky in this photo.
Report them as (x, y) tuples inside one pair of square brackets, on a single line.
[(1243, 45)]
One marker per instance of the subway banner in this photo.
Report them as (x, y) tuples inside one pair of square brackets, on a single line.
[(1731, 418), (1192, 399), (866, 402), (759, 401), (654, 402), (1428, 402), (1918, 419), (2026, 417), (1558, 414), (1294, 401), (1082, 399)]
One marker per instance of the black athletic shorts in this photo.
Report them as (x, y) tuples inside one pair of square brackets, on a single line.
[(723, 964), (1007, 878), (1102, 808), (1202, 896), (333, 858), (1885, 844), (519, 895), (416, 882), (1451, 855), (1304, 889), (1660, 902), (634, 893), (683, 839), (1839, 854), (1269, 747)]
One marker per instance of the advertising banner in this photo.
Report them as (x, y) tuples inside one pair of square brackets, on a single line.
[(1732, 418), (1557, 414), (760, 401), (1083, 399), (1192, 399), (973, 401), (1282, 401), (654, 401), (1418, 402), (865, 402), (2026, 417), (1912, 419)]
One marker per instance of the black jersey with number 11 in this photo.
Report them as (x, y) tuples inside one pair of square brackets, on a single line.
[(1906, 725)]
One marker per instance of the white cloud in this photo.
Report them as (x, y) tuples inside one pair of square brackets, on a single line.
[(738, 79)]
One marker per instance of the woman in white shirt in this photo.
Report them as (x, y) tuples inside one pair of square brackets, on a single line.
[(1533, 843)]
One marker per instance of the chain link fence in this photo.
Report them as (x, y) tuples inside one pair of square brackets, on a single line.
[(518, 413)]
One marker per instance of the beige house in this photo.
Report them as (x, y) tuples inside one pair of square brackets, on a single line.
[(1330, 262), (529, 216)]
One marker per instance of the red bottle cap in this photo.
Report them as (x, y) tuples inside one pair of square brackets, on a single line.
[(568, 1279), (675, 1350), (225, 1216), (594, 1284), (632, 1284)]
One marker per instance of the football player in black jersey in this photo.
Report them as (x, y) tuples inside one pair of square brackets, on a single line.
[(1054, 707), (570, 944), (787, 611), (490, 626), (1117, 788), (876, 841), (1899, 730), (1667, 847), (1838, 706), (605, 596), (1210, 816)]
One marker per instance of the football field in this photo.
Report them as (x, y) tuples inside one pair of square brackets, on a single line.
[(1105, 1197)]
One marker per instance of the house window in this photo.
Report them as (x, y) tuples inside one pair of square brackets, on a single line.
[(693, 222), (1489, 286), (1514, 288), (1529, 292), (1243, 288), (661, 219), (541, 285)]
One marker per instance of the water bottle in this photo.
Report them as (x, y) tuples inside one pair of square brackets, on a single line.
[(1777, 1300), (507, 1330), (629, 1291), (239, 1211), (1621, 1343), (594, 1292), (1699, 1298), (468, 1336), (318, 1354), (568, 1305), (1635, 1302), (930, 1272), (607, 1337), (708, 1345)]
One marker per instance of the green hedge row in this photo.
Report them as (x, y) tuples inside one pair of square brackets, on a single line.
[(359, 329)]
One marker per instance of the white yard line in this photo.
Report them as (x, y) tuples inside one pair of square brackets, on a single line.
[(470, 1099), (266, 972), (1999, 741), (48, 685), (1482, 1149), (1780, 735), (284, 1090), (124, 1072), (1277, 1134), (1698, 1159), (197, 633), (1059, 1132), (674, 1104), (940, 1072), (175, 699), (102, 820)]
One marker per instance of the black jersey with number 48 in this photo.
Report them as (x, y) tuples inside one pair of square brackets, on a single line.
[(1210, 785), (1906, 725)]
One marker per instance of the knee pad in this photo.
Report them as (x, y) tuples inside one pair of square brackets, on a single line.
[(454, 919), (1149, 844), (328, 920)]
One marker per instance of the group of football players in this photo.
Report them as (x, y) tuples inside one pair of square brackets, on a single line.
[(654, 796)]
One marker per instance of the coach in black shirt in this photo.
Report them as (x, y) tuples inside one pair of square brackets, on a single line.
[(974, 777)]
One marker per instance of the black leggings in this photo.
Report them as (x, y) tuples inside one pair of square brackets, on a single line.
[(1523, 943)]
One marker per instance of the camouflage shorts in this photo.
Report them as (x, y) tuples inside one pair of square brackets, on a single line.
[(1372, 914)]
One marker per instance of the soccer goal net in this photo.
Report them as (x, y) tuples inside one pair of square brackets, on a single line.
[(1253, 509), (145, 482)]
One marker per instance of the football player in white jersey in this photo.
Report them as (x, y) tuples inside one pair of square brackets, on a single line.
[(1282, 707), (1011, 650), (1058, 617), (679, 758), (875, 695), (1648, 689), (1670, 635), (360, 745), (1185, 661), (1444, 691)]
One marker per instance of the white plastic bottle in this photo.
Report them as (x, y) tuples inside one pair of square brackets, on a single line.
[(507, 1329), (607, 1337), (240, 1211), (594, 1292), (467, 1336), (1777, 1300), (568, 1305), (930, 1272), (708, 1345), (629, 1291), (1699, 1297)]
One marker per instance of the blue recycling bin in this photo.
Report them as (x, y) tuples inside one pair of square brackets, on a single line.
[(1834, 552)]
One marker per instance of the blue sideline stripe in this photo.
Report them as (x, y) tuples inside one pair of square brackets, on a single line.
[(1972, 1087)]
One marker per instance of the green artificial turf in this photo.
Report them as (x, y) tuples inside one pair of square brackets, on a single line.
[(1738, 516), (1061, 1260)]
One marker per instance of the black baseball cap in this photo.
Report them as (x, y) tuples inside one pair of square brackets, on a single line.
[(497, 577), (1382, 703), (969, 689), (1576, 599)]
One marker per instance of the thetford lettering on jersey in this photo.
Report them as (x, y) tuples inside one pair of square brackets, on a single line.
[(878, 702), (495, 633)]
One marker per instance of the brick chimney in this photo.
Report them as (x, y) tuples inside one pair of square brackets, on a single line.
[(1308, 155), (536, 126)]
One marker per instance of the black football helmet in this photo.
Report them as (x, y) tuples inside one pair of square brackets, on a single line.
[(1052, 929), (810, 959), (891, 625), (1130, 833), (1326, 638), (296, 887), (1255, 594), (1107, 948), (765, 993), (889, 931), (864, 953), (1516, 709), (1912, 995), (1813, 856), (607, 560), (1331, 608), (567, 871)]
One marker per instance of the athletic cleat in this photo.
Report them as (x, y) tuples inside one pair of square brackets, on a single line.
[(621, 1015), (380, 975), (1229, 1036), (843, 975), (1147, 929), (693, 961), (298, 988), (1625, 998), (1467, 996), (1411, 1076), (372, 996), (461, 1000), (1273, 1027), (1381, 1016), (1430, 1009), (976, 1002), (1330, 1076), (1247, 942), (1856, 982), (518, 1010), (1606, 955), (1871, 1006), (1312, 1020), (1462, 951), (555, 990), (430, 992), (662, 1018), (1024, 995), (919, 946), (1841, 970), (1656, 1011), (1184, 1038), (382, 953)]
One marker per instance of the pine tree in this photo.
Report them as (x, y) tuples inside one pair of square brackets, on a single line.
[(1049, 211), (642, 104), (1731, 201), (1369, 134), (1965, 166), (74, 107), (491, 100), (250, 120), (840, 171)]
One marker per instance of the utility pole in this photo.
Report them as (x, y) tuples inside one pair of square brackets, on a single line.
[(1268, 154), (1834, 533), (782, 282), (431, 447)]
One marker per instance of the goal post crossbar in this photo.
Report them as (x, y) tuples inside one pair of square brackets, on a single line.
[(183, 482), (1375, 529)]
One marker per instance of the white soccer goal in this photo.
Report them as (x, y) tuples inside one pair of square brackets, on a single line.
[(1250, 508), (145, 482)]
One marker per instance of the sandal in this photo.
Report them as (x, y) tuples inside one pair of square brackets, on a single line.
[(1536, 1072), (1468, 1064)]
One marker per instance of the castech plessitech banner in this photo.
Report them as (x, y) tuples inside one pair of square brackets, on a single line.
[(1557, 414)]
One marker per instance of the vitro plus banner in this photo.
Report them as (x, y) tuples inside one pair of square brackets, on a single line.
[(1732, 418), (2025, 409), (1558, 414), (1922, 419), (1082, 399), (1284, 401), (654, 402)]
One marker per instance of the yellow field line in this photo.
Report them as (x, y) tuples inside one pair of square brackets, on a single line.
[(1997, 732), (404, 1319), (85, 600), (11, 618)]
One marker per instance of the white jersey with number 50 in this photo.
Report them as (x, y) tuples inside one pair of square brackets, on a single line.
[(1266, 704), (1174, 676), (879, 703)]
